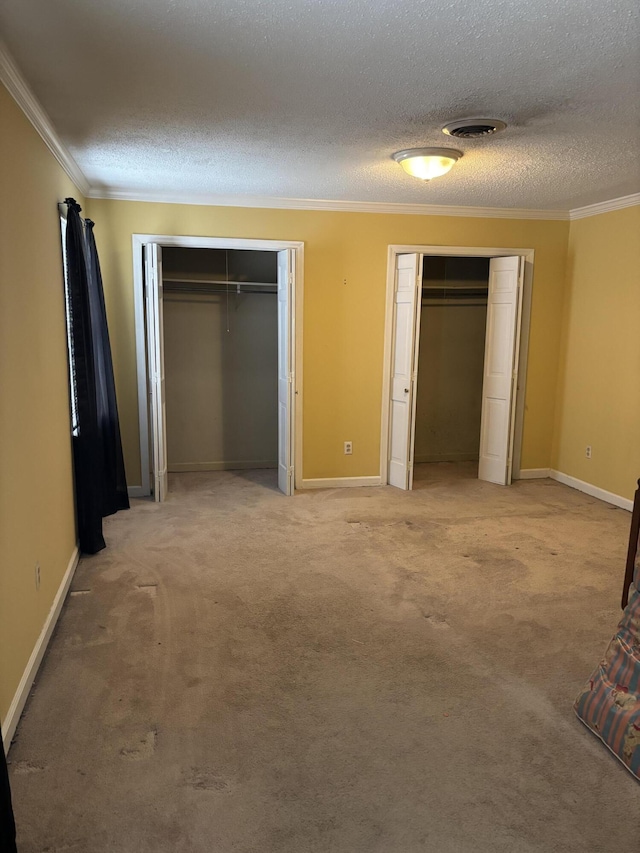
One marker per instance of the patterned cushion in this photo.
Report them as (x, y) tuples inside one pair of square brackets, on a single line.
[(610, 703)]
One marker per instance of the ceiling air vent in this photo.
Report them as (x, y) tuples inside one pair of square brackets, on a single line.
[(473, 128)]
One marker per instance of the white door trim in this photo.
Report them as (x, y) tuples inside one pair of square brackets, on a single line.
[(138, 241), (154, 306), (457, 252)]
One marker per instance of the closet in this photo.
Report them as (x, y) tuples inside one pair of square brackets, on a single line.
[(221, 358), (451, 358)]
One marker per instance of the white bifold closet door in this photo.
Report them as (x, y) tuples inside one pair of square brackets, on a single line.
[(404, 363), (155, 356), (285, 371), (504, 309)]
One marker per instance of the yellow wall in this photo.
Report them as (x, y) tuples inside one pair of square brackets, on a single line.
[(36, 500), (599, 383), (343, 323)]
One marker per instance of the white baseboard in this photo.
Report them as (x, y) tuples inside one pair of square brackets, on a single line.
[(10, 722), (340, 482), (594, 491), (136, 492), (533, 473), (242, 465)]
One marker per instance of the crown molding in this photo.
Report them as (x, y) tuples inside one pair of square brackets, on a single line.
[(605, 206), (212, 200), (20, 91)]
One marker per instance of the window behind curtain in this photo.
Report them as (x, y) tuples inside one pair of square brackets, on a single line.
[(73, 393)]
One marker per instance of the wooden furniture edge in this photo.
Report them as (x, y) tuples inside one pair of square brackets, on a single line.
[(633, 547)]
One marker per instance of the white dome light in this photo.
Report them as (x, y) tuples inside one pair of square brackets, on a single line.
[(427, 163)]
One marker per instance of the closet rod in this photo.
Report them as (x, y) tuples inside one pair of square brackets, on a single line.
[(224, 283), (219, 291), (432, 287), (454, 303), (454, 294)]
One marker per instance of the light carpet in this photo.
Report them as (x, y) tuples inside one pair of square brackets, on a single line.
[(344, 671)]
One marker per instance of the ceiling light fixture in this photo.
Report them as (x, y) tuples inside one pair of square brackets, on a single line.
[(427, 163)]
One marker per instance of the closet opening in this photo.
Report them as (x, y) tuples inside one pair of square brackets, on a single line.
[(456, 344), (451, 350), (218, 358), (221, 359)]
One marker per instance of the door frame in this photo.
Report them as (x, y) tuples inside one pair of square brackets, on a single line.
[(456, 252), (295, 310)]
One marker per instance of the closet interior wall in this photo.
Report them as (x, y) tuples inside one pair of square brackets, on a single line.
[(221, 359), (451, 358)]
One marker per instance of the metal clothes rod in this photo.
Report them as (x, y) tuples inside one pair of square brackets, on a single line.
[(455, 297), (224, 283), (457, 303), (220, 291), (442, 288), (479, 286)]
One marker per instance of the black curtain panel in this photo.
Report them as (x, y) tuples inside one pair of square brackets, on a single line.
[(7, 823), (100, 483), (114, 485)]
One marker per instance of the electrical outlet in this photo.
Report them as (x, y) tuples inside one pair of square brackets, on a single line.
[(588, 451), (37, 573), (348, 448)]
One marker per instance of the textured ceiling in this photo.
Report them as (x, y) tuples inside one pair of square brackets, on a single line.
[(309, 98)]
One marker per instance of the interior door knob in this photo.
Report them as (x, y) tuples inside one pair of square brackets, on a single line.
[(406, 390)]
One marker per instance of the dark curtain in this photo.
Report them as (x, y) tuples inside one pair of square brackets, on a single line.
[(114, 486), (7, 823), (101, 488)]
